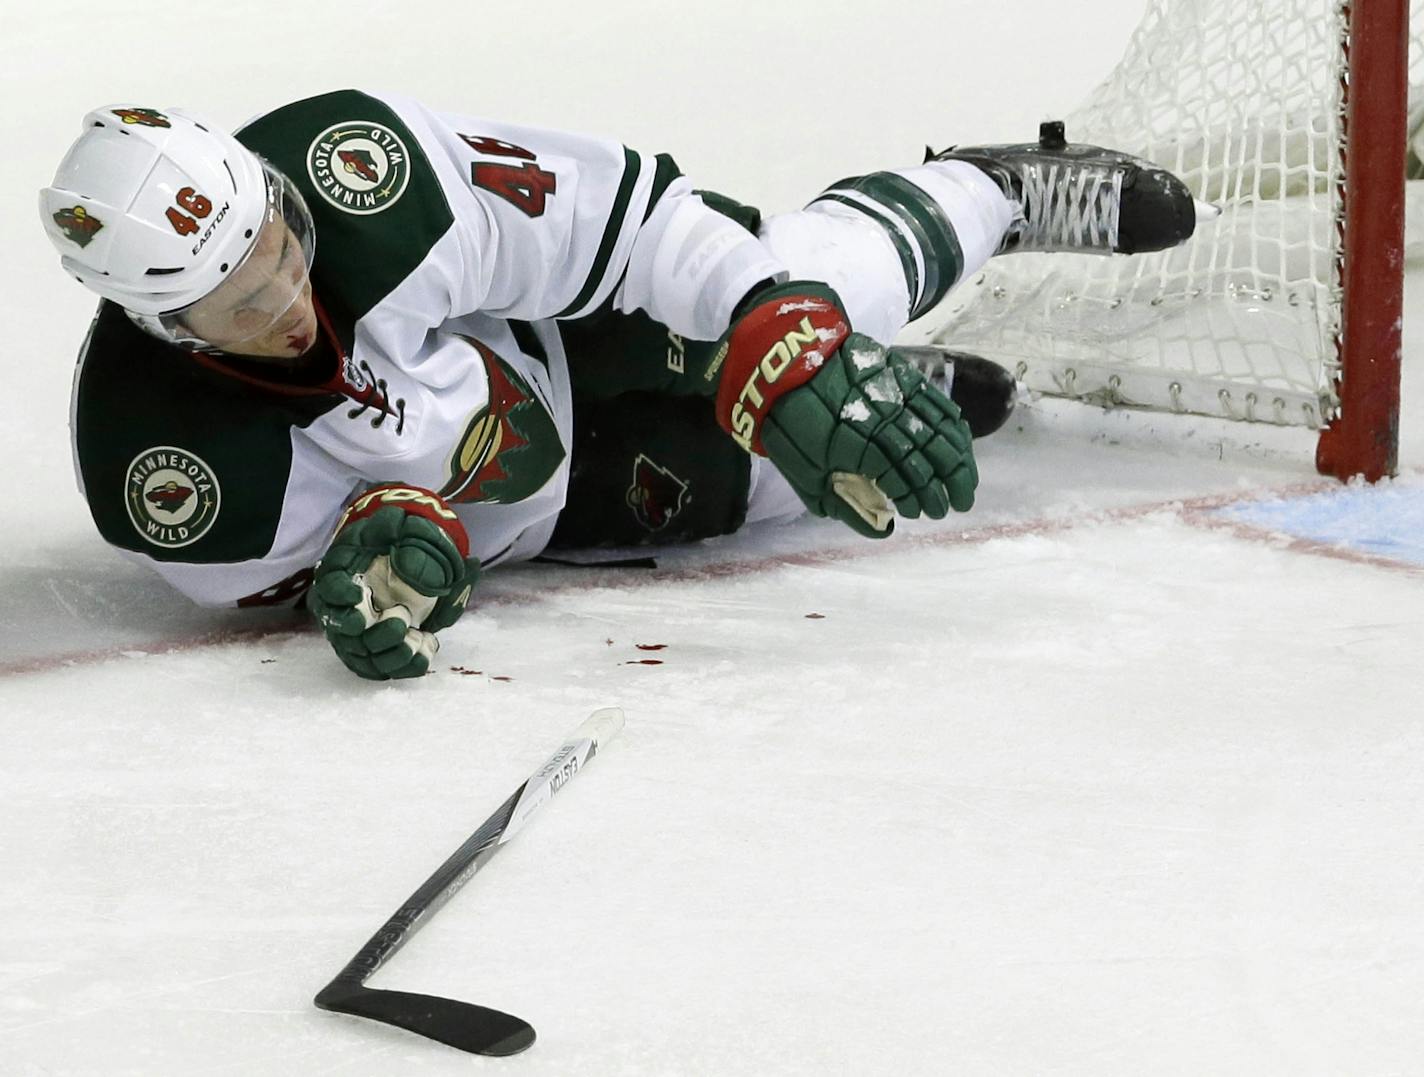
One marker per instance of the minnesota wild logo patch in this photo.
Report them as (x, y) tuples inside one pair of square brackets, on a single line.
[(79, 225), (359, 166), (147, 117), (509, 449), (172, 496)]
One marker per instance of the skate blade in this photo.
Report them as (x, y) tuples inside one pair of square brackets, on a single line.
[(1206, 211)]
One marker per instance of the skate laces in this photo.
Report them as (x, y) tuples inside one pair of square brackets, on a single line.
[(1068, 206)]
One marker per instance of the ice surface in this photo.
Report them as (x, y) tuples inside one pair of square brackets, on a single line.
[(1072, 784)]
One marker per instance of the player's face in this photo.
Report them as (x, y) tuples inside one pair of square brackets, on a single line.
[(265, 308)]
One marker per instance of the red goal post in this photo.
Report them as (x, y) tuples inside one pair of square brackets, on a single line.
[(1364, 440)]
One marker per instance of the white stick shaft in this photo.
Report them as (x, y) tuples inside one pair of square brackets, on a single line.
[(578, 748)]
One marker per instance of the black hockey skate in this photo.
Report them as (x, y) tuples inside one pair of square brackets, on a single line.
[(1083, 198), (984, 391)]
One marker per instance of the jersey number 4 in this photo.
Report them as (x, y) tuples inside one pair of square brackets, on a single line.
[(525, 186)]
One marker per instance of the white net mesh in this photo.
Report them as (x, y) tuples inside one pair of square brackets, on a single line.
[(1244, 103)]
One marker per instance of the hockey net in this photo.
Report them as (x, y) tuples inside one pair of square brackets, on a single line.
[(1263, 109)]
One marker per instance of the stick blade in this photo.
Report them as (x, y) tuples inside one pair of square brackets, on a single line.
[(463, 1025)]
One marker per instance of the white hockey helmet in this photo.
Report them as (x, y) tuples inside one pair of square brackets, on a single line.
[(155, 210)]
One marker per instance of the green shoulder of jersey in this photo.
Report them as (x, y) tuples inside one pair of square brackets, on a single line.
[(180, 462), (374, 196)]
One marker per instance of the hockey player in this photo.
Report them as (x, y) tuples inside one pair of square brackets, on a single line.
[(382, 346)]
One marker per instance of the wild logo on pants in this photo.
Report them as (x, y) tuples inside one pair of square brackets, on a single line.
[(657, 495)]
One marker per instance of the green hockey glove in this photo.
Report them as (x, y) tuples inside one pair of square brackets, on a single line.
[(851, 424), (396, 573)]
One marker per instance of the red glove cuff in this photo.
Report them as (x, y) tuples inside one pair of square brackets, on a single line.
[(413, 500), (777, 346)]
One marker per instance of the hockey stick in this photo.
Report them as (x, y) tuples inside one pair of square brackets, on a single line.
[(469, 1027)]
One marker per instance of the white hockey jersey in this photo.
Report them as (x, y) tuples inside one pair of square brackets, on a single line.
[(447, 247)]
